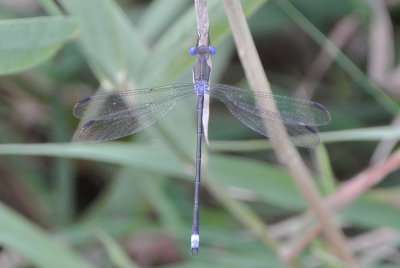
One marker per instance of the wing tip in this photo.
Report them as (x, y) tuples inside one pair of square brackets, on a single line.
[(75, 110), (79, 134), (85, 99), (322, 108)]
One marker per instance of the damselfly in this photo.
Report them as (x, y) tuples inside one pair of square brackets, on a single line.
[(114, 115)]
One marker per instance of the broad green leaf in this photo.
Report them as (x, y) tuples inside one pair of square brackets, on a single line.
[(371, 214), (34, 244), (158, 15), (112, 45), (264, 180), (28, 42), (51, 7)]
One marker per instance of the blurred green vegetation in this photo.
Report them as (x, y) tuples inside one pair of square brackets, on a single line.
[(129, 203)]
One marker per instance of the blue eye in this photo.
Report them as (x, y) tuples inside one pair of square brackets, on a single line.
[(192, 51), (212, 50)]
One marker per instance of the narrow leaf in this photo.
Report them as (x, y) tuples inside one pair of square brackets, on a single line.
[(28, 42), (111, 43), (115, 252), (157, 159), (18, 234)]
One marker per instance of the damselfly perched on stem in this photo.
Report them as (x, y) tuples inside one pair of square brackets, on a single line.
[(114, 115)]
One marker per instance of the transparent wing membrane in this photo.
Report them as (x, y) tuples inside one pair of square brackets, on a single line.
[(114, 115), (254, 108), (117, 114)]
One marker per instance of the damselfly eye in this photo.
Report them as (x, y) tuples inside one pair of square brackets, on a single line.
[(192, 51), (212, 50)]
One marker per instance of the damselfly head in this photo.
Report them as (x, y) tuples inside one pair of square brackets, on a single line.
[(202, 50)]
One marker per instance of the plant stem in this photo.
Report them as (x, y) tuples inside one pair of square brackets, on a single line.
[(63, 169), (203, 24), (347, 193), (287, 154)]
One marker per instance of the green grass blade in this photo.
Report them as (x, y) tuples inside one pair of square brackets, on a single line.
[(361, 134), (157, 159), (154, 191), (63, 171), (233, 171), (18, 234), (118, 226), (116, 254), (327, 179), (28, 42)]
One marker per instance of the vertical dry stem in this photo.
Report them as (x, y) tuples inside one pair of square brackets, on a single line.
[(287, 154), (203, 23)]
